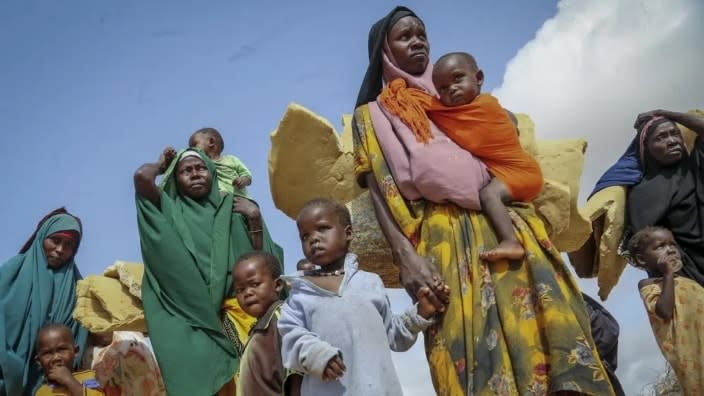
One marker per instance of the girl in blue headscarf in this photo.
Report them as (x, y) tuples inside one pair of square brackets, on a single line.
[(37, 286)]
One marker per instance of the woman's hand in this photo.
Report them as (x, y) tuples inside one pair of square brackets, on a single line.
[(417, 273), (642, 118), (165, 159), (246, 208), (251, 212), (145, 177)]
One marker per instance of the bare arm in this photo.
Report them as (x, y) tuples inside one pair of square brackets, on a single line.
[(400, 245), (145, 176), (665, 305), (691, 121), (666, 302), (145, 183), (416, 272), (251, 212)]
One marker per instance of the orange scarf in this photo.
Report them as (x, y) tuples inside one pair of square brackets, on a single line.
[(416, 108)]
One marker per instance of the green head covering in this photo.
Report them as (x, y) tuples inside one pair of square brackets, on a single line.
[(33, 295), (188, 247)]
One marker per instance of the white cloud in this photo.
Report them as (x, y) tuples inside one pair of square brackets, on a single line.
[(587, 73)]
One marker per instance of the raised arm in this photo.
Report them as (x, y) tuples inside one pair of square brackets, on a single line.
[(691, 121), (416, 272), (145, 177), (666, 302), (665, 305)]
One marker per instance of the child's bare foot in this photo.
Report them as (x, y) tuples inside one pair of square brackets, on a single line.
[(511, 250)]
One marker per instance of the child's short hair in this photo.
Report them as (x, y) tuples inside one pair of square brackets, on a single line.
[(211, 133), (52, 326), (464, 55), (271, 263), (343, 214), (302, 263), (639, 241)]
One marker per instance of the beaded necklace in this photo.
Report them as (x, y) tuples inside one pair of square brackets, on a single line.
[(318, 272)]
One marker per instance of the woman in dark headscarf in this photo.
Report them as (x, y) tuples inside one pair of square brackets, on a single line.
[(37, 286), (509, 327), (671, 191), (191, 235)]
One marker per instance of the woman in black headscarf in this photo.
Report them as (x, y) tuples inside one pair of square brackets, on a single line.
[(671, 191), (509, 328)]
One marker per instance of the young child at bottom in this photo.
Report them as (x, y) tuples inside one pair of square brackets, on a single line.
[(674, 304), (233, 175), (478, 124), (258, 284), (336, 325), (56, 352)]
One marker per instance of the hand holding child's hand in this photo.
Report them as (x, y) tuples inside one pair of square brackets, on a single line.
[(334, 369), (61, 375), (442, 291), (426, 309), (165, 159)]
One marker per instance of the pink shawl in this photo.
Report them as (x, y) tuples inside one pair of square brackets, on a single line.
[(439, 171)]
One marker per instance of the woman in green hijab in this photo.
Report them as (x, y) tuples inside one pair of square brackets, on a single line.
[(191, 234), (37, 286)]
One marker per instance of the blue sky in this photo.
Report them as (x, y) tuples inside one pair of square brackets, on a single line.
[(92, 89), (89, 90)]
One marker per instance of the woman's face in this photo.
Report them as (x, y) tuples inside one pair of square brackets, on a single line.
[(409, 45), (193, 178), (58, 250), (665, 144)]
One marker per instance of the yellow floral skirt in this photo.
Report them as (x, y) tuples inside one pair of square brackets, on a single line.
[(511, 328), (680, 339)]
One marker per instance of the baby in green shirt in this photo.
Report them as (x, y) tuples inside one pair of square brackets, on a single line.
[(233, 175)]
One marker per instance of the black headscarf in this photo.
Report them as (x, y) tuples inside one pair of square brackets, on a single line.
[(673, 197), (372, 83)]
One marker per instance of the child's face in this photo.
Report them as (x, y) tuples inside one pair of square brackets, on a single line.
[(323, 239), (55, 347), (457, 81), (255, 288), (661, 248)]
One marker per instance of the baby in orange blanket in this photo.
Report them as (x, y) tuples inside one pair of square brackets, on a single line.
[(477, 123)]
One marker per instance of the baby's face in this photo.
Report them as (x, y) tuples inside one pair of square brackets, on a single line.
[(457, 81)]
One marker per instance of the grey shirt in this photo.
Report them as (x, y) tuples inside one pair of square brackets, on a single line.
[(356, 322)]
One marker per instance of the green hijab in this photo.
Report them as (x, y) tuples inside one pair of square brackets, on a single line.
[(188, 247), (32, 295)]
